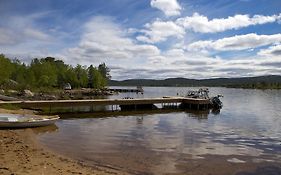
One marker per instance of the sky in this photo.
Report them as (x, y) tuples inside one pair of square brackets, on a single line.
[(148, 38)]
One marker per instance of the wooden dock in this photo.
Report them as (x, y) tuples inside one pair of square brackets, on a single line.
[(191, 102)]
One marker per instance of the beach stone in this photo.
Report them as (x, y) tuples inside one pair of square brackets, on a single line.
[(28, 93)]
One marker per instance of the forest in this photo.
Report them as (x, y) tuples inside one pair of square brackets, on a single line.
[(50, 73), (260, 82)]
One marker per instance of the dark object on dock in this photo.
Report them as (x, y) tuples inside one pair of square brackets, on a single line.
[(216, 102), (202, 93)]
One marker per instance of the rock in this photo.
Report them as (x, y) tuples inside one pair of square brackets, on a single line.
[(7, 98), (12, 91), (50, 97), (28, 93)]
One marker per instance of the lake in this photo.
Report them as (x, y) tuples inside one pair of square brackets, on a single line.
[(243, 138)]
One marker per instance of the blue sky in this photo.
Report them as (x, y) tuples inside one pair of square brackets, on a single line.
[(148, 38)]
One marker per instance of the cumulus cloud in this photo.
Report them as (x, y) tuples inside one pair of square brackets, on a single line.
[(105, 40), (271, 51), (17, 30), (159, 31), (200, 23), (169, 7), (238, 42)]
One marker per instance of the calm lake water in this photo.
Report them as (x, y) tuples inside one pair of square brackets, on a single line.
[(244, 136)]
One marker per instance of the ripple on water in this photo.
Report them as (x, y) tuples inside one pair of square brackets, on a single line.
[(235, 160)]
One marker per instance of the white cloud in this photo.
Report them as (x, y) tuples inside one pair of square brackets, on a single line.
[(104, 40), (169, 7), (238, 42), (159, 31), (200, 23), (199, 67), (271, 51), (7, 37), (21, 29), (36, 34)]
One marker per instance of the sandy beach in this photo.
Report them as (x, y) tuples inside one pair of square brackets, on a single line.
[(21, 154)]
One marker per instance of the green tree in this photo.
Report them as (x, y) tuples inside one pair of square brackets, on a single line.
[(105, 71), (6, 68), (49, 72), (71, 77), (81, 75), (95, 78), (45, 73)]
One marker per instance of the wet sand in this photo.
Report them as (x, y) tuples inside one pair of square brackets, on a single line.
[(21, 154)]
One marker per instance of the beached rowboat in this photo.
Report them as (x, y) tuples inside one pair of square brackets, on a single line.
[(24, 121)]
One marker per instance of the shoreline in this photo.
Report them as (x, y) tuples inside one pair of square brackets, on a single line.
[(22, 154)]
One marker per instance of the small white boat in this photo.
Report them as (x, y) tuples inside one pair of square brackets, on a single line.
[(25, 121)]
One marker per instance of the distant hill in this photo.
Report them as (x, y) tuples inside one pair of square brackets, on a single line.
[(271, 81)]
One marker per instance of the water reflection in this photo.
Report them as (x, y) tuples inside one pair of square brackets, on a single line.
[(107, 114), (216, 111), (45, 129), (140, 120), (172, 141)]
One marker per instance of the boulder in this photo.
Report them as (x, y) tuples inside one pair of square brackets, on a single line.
[(28, 93)]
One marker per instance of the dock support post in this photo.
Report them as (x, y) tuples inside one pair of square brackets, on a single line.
[(50, 109)]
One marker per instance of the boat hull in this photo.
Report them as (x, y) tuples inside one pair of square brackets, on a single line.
[(27, 124)]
